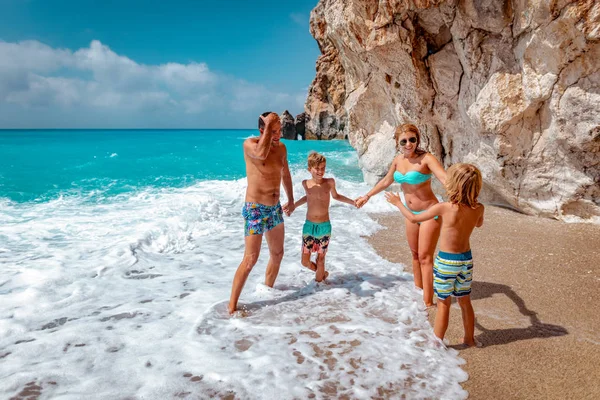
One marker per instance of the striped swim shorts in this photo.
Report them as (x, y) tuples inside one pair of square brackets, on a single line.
[(452, 274)]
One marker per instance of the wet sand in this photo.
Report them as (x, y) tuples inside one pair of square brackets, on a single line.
[(535, 293)]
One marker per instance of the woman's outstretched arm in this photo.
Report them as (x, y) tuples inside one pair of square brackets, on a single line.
[(385, 182)]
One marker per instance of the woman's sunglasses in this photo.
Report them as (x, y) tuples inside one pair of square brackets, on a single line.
[(412, 140)]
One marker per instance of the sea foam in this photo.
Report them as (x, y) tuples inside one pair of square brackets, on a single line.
[(127, 299)]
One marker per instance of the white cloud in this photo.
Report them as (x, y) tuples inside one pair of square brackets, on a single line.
[(37, 81), (31, 55)]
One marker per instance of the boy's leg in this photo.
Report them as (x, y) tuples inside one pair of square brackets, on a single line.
[(429, 232), (441, 317), (251, 251), (307, 263), (412, 235), (468, 316), (275, 241), (321, 273)]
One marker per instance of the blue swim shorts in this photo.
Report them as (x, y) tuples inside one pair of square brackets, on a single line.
[(260, 218), (452, 274)]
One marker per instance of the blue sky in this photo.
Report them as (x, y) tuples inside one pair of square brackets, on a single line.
[(152, 64)]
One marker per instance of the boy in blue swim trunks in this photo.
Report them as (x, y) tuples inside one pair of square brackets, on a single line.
[(453, 266), (317, 228)]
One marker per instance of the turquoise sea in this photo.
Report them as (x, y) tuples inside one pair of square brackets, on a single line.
[(40, 165)]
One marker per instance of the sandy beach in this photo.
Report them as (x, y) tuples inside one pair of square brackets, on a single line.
[(535, 282)]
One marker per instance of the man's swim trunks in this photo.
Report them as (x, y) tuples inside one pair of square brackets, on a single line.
[(452, 274), (260, 218), (315, 237)]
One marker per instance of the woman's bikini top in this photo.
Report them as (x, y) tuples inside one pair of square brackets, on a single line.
[(411, 177)]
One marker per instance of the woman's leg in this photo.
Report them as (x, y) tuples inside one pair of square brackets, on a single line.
[(412, 235), (429, 233)]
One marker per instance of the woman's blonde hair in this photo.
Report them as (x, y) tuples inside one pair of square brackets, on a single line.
[(314, 159), (463, 184), (409, 128)]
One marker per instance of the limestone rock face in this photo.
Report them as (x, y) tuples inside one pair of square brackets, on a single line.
[(301, 125), (288, 126), (512, 86), (327, 95)]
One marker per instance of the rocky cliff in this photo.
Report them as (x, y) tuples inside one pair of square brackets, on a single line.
[(511, 86)]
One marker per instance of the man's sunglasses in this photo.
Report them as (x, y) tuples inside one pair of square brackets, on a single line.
[(412, 140)]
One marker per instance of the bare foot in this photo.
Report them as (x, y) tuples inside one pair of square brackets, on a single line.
[(430, 306), (474, 343), (467, 344), (239, 313), (439, 343)]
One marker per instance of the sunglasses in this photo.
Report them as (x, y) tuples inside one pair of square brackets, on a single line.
[(412, 140)]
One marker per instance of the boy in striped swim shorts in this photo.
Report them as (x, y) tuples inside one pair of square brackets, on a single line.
[(453, 266), (317, 228)]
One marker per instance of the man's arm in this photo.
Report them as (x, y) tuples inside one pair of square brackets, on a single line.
[(339, 197), (287, 181), (260, 149), (428, 214)]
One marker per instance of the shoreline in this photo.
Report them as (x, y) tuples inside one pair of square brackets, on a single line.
[(533, 292)]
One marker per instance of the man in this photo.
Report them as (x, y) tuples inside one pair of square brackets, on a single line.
[(266, 166)]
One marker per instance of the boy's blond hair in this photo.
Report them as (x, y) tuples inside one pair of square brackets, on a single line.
[(314, 159), (463, 184)]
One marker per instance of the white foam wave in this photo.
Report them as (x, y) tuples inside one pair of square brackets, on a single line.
[(126, 298)]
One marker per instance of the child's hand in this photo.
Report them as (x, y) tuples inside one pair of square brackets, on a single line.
[(287, 209), (393, 198), (361, 201)]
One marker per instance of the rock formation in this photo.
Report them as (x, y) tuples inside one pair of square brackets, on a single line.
[(301, 125), (288, 126), (512, 86)]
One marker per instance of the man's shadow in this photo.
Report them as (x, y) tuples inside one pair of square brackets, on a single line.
[(536, 329), (352, 282)]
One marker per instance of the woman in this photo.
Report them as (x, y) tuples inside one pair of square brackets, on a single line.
[(412, 168)]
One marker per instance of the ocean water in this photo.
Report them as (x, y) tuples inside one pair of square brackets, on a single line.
[(117, 252)]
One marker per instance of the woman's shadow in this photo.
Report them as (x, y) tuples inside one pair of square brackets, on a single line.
[(536, 329)]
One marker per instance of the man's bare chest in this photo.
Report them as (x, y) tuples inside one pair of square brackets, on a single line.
[(272, 164)]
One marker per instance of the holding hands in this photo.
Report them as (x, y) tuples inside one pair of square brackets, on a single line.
[(288, 208), (361, 201)]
